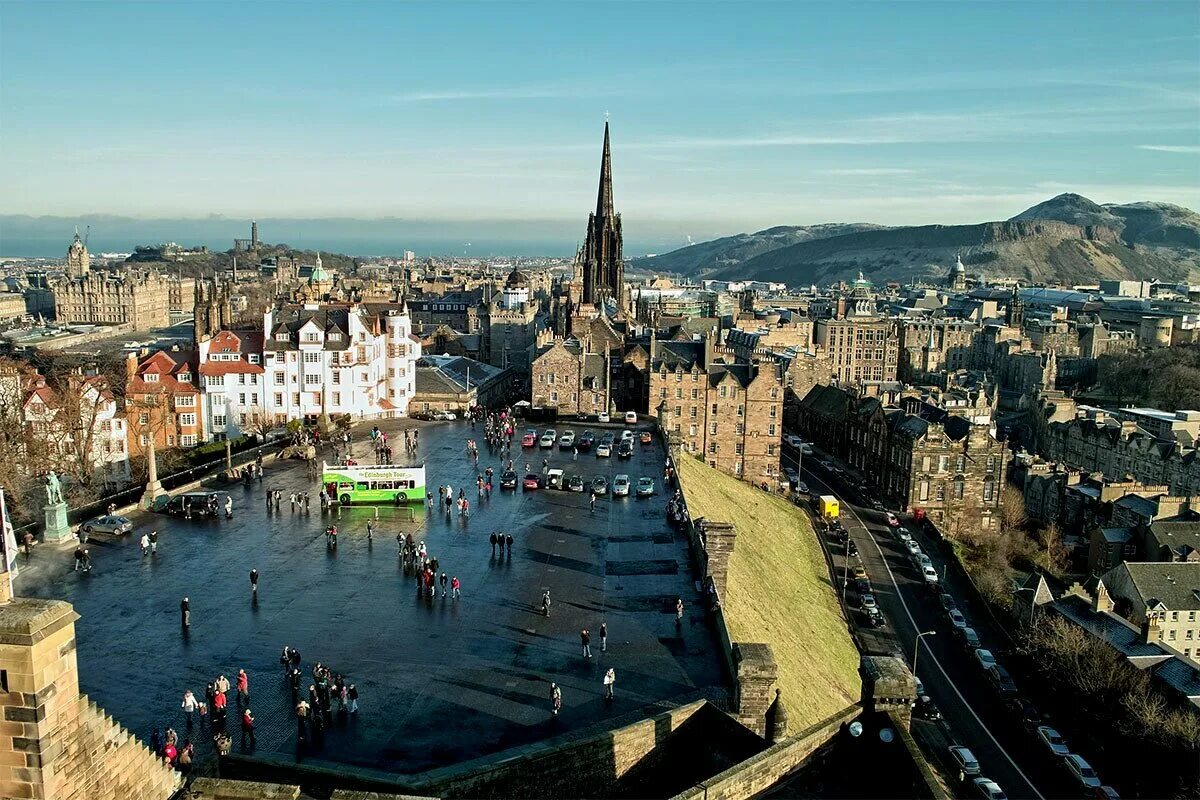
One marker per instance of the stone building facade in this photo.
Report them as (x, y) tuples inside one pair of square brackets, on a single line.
[(162, 401), (731, 413), (860, 348), (930, 347), (510, 329), (111, 297), (568, 376)]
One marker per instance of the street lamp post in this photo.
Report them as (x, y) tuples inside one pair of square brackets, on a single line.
[(917, 649)]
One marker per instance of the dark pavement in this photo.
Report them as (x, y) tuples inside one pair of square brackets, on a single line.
[(440, 681)]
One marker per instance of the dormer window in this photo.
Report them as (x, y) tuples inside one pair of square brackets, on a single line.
[(253, 358), (183, 376), (335, 336), (312, 336), (150, 377), (282, 336)]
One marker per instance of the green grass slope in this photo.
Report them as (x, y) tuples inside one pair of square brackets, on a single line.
[(779, 592)]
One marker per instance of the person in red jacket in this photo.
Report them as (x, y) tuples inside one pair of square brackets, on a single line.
[(247, 728), (243, 688), (219, 704)]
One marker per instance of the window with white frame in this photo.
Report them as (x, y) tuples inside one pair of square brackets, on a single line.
[(187, 419)]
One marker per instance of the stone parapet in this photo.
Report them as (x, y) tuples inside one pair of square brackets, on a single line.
[(754, 684)]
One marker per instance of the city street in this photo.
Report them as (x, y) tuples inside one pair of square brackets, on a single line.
[(440, 680), (975, 713)]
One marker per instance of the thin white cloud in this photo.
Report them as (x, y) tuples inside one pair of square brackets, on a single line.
[(870, 171), (506, 93), (1170, 148)]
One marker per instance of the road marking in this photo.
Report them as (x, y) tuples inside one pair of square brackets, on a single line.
[(917, 629)]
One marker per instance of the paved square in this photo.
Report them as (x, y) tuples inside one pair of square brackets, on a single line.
[(440, 681)]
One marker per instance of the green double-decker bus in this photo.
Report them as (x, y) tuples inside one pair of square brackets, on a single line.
[(373, 483)]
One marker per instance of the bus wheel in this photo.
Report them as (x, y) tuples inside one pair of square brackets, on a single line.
[(400, 499), (345, 499)]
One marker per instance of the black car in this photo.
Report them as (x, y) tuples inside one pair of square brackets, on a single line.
[(575, 484), (508, 480), (873, 618), (585, 441), (193, 505), (851, 548), (625, 450), (1003, 681), (926, 710), (861, 585), (1023, 710)]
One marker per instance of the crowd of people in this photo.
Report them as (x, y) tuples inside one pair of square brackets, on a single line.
[(314, 711)]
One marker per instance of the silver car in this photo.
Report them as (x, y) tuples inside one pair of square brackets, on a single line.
[(107, 524)]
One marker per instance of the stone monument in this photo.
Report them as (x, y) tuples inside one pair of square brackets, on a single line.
[(55, 511), (154, 487)]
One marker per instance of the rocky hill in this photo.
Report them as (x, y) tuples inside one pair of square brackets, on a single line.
[(1068, 239)]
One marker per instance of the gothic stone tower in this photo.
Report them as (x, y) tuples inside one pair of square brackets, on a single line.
[(600, 257), (78, 259)]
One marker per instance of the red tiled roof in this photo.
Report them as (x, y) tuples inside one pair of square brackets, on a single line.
[(229, 367)]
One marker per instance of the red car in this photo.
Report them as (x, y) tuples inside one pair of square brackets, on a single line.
[(532, 482), (646, 437), (529, 439), (892, 521)]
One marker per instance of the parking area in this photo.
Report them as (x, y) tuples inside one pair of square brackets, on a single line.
[(440, 681)]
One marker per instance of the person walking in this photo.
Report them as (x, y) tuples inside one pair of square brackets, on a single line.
[(509, 540), (352, 698), (292, 500), (492, 539), (592, 504), (585, 639), (189, 706), (79, 556), (679, 612), (243, 689), (185, 613), (546, 603), (254, 582), (301, 718), (153, 541), (454, 587), (574, 453), (247, 728), (555, 698), (145, 543), (228, 507), (603, 636), (610, 681), (443, 580), (370, 529)]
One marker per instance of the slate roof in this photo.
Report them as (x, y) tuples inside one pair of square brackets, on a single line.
[(827, 401), (1178, 536), (1139, 505), (1175, 585), (678, 353), (328, 319)]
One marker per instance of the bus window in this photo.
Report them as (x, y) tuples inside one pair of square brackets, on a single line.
[(346, 487), (362, 486)]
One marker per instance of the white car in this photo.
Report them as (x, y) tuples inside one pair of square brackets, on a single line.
[(567, 440), (930, 575), (549, 437), (1053, 741), (957, 620), (988, 789), (985, 658), (626, 435), (802, 487), (913, 547), (603, 450), (1082, 771), (620, 486), (805, 449), (631, 418), (603, 417)]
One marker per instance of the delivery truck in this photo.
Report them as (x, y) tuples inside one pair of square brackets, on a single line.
[(829, 507)]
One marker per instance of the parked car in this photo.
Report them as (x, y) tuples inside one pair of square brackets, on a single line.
[(532, 481), (1053, 741), (957, 620), (1082, 771), (988, 789), (968, 637), (985, 659), (873, 618), (193, 505), (851, 549), (575, 484), (1003, 681), (903, 535), (913, 547), (586, 440), (549, 438), (647, 437), (892, 520), (567, 440), (620, 486), (645, 487), (949, 603), (603, 416), (859, 571), (626, 435), (861, 585), (529, 439), (925, 709), (802, 487), (625, 449), (867, 602), (631, 418), (107, 524), (1107, 793), (508, 479), (600, 485), (1025, 711), (603, 450), (930, 575), (964, 760)]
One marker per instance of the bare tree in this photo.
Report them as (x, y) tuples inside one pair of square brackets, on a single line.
[(1013, 516)]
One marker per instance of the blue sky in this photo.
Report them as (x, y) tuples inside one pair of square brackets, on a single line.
[(726, 116)]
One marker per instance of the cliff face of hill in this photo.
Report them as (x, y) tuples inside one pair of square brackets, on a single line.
[(1068, 239)]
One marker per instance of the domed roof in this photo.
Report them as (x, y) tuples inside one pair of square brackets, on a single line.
[(517, 280), (958, 265)]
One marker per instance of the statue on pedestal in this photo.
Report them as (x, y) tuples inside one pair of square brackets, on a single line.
[(53, 489)]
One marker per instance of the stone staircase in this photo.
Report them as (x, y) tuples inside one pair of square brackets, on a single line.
[(103, 761)]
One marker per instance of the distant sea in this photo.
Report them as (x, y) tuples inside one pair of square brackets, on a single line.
[(49, 237)]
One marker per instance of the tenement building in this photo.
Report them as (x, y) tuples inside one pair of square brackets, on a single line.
[(937, 455), (572, 377), (730, 412), (862, 345)]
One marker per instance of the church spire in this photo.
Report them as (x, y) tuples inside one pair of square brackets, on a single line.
[(604, 198)]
